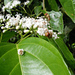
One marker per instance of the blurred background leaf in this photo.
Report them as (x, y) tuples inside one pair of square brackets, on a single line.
[(69, 8)]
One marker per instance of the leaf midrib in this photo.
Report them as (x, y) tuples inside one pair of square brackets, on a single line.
[(40, 60), (19, 59)]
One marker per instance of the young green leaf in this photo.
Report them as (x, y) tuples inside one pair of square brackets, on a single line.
[(37, 9), (53, 5)]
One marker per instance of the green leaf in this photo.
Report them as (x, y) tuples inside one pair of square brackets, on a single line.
[(7, 35), (9, 59), (61, 46), (37, 9), (56, 21), (41, 58), (69, 7), (43, 11), (36, 2), (64, 49), (66, 52), (53, 5)]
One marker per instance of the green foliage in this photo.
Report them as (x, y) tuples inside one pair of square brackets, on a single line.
[(37, 9), (8, 59), (41, 56), (40, 53), (53, 5), (63, 49), (69, 7)]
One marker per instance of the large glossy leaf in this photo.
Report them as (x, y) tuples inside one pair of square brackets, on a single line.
[(56, 21), (53, 5), (69, 7), (41, 58), (9, 64)]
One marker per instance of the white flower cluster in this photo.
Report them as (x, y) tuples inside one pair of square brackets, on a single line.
[(39, 25), (2, 18), (10, 5)]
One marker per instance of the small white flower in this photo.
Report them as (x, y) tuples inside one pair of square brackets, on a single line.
[(4, 31), (8, 5), (2, 27), (8, 16), (3, 8), (35, 26), (24, 25), (28, 23), (50, 31), (17, 27), (18, 16), (21, 21), (25, 31), (20, 51), (25, 3), (7, 26), (15, 3), (8, 23), (40, 31), (13, 21), (2, 16), (55, 35)]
